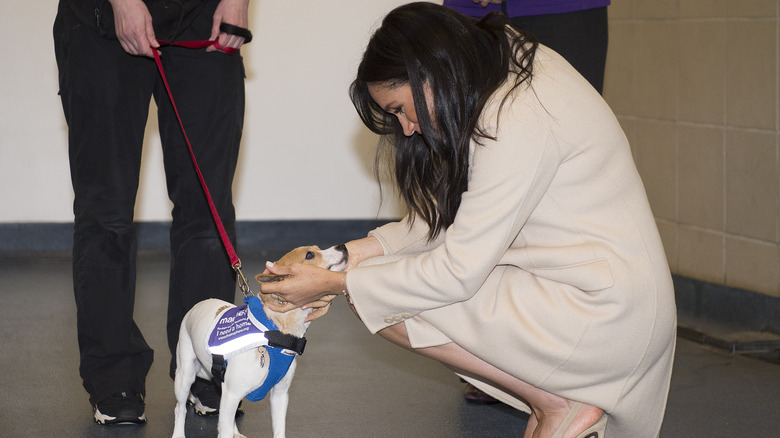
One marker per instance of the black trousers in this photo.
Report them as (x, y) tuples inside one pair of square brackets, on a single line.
[(580, 37), (106, 95)]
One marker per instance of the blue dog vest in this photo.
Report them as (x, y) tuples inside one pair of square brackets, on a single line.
[(243, 328)]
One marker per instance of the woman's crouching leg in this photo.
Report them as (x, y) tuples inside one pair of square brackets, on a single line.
[(548, 410)]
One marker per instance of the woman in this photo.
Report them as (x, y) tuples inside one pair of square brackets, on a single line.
[(530, 262)]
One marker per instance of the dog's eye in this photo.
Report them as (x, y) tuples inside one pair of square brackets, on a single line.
[(309, 255)]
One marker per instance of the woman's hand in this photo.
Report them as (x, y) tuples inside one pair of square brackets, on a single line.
[(303, 286), (319, 308), (307, 286)]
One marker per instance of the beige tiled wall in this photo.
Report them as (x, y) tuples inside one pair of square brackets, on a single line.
[(695, 84)]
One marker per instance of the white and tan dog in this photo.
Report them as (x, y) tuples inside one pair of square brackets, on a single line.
[(248, 370)]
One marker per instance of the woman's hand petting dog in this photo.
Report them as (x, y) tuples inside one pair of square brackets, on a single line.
[(319, 308), (303, 286)]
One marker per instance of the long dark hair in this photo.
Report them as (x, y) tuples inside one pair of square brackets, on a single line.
[(464, 61)]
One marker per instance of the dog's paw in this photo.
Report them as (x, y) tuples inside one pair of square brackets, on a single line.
[(238, 435)]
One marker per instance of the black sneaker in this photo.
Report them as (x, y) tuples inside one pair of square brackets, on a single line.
[(205, 396), (120, 408)]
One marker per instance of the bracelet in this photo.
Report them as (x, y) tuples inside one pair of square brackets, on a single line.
[(344, 290)]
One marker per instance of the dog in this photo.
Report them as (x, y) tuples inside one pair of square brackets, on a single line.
[(247, 370)]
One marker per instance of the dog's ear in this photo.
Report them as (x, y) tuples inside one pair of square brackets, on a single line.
[(269, 278)]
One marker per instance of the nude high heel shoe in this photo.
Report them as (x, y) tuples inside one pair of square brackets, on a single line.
[(595, 431)]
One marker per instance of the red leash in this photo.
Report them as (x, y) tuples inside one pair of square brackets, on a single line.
[(196, 45), (234, 260)]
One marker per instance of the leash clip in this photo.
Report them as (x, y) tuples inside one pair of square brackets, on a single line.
[(242, 283)]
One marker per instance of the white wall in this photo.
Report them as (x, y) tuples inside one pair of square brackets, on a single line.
[(305, 152)]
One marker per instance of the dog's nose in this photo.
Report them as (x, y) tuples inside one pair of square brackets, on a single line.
[(341, 264), (343, 249)]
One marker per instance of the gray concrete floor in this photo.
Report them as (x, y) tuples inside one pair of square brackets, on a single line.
[(348, 384)]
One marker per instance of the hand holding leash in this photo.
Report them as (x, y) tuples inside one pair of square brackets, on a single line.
[(229, 27), (134, 29)]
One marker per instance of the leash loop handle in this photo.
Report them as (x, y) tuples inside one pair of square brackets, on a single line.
[(235, 30), (198, 45)]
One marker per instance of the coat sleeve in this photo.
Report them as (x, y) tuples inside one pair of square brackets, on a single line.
[(405, 237), (508, 178)]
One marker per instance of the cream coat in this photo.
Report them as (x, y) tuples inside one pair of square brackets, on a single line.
[(553, 269)]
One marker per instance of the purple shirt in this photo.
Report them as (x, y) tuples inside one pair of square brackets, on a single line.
[(521, 8)]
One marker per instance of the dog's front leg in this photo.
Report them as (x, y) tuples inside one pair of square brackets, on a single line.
[(228, 405), (279, 397), (187, 365)]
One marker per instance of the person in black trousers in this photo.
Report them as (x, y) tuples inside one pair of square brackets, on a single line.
[(107, 78)]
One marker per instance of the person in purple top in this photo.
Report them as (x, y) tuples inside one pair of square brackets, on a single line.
[(577, 29)]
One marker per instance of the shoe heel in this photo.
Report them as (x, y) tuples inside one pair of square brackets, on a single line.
[(597, 430)]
